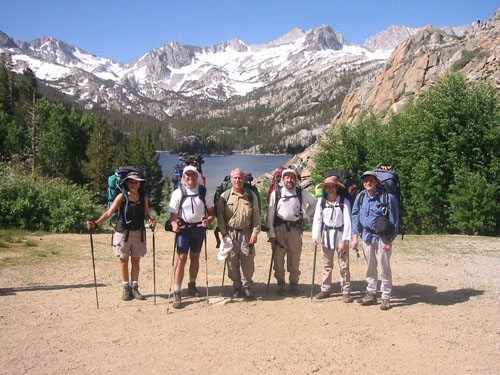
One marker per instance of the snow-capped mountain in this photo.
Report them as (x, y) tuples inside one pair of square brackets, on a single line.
[(222, 70), (293, 75)]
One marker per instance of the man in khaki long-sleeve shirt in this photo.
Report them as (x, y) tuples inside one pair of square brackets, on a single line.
[(239, 219)]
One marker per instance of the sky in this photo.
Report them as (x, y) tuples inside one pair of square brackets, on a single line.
[(125, 30)]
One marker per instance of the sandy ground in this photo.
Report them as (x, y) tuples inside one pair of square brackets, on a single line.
[(445, 317)]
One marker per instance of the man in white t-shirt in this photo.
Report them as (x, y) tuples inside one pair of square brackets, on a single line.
[(189, 206)]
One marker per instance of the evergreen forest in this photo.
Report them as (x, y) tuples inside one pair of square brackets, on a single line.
[(55, 157), (446, 146)]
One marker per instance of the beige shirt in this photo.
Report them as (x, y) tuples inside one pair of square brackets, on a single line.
[(238, 212)]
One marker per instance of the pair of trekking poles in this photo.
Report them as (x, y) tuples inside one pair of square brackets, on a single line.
[(93, 266)]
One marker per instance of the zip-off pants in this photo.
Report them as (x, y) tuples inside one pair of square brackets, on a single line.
[(376, 256), (345, 275), (242, 254), (292, 243)]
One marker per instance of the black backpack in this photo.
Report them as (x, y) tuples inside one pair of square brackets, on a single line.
[(344, 177)]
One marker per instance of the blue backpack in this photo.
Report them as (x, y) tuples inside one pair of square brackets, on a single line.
[(389, 181), (115, 185)]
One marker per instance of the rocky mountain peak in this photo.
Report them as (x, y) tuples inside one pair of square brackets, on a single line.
[(389, 38), (324, 37), (421, 61)]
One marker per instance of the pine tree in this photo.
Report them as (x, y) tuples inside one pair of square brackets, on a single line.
[(26, 113), (141, 151), (6, 84), (101, 158)]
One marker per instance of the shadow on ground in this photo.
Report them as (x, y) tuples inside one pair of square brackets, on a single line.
[(13, 291)]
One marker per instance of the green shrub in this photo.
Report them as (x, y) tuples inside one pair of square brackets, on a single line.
[(55, 206), (447, 149)]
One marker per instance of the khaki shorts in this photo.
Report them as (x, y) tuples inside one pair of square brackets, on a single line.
[(133, 247)]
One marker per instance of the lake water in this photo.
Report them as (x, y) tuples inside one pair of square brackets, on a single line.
[(216, 168)]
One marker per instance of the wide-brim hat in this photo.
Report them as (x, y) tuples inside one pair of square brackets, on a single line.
[(370, 173), (134, 176), (191, 168), (332, 180)]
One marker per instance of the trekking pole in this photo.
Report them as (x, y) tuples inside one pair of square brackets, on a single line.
[(154, 266), (314, 271), (224, 272), (93, 266), (270, 270), (206, 262), (173, 271)]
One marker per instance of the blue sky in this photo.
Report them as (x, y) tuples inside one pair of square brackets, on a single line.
[(125, 30)]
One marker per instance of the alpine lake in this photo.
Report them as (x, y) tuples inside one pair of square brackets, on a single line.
[(215, 168)]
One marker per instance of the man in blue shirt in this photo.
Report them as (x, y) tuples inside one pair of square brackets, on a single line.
[(368, 209)]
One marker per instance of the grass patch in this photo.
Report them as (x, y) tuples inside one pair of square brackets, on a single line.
[(23, 248)]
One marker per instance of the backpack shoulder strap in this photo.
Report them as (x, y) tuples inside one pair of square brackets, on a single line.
[(202, 191), (299, 191), (322, 202), (248, 192), (277, 197), (225, 195), (361, 197), (385, 202)]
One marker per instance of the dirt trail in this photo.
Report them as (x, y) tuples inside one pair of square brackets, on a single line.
[(445, 316)]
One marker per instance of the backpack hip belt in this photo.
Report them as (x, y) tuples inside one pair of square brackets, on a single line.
[(327, 229), (289, 224), (185, 225), (143, 232)]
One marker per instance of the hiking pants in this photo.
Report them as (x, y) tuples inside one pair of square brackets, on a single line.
[(376, 256), (290, 244), (345, 275), (242, 254)]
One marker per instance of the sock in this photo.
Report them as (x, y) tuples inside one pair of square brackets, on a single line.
[(191, 280), (177, 288), (135, 283), (125, 283)]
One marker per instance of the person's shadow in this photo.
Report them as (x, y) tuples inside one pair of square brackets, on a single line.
[(411, 294)]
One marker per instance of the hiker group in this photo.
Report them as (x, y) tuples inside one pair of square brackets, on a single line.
[(339, 219)]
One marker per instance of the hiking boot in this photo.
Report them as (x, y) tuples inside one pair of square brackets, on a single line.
[(247, 293), (322, 295), (386, 304), (192, 291), (177, 300), (136, 294), (237, 293), (127, 293), (347, 298), (368, 299), (294, 289), (281, 288)]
